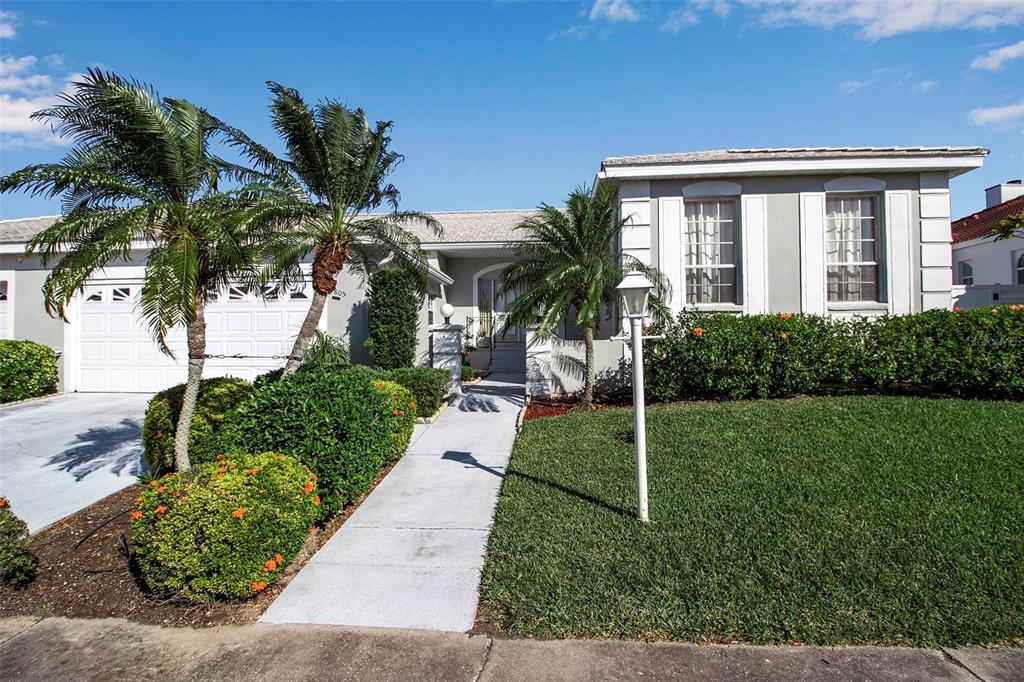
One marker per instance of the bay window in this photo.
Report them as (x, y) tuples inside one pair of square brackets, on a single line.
[(851, 248), (710, 253)]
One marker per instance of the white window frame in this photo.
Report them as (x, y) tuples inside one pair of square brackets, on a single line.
[(962, 276), (737, 256), (877, 240), (1018, 268)]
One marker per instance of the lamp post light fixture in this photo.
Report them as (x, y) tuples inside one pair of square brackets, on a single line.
[(447, 310), (635, 289)]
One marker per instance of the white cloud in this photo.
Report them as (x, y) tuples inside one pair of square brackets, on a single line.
[(680, 18), (883, 18), (994, 59), (924, 86), (996, 115), (7, 25), (613, 11), (54, 61), (23, 91), (850, 87)]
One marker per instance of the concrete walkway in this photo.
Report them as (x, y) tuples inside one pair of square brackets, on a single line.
[(63, 649), (410, 556), (60, 454)]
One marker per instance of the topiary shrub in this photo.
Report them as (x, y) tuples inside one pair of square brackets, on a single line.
[(336, 423), (429, 386), (17, 564), (402, 417), (467, 373), (27, 370), (217, 397), (223, 529), (395, 302)]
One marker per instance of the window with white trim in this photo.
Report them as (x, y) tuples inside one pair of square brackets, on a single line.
[(710, 254), (3, 290), (851, 248), (1020, 269), (965, 273)]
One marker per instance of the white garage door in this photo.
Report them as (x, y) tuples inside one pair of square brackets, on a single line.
[(117, 353)]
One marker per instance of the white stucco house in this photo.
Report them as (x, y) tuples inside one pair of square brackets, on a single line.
[(986, 271), (837, 231)]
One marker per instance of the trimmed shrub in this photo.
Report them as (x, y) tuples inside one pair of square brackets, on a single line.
[(267, 378), (336, 423), (402, 417), (395, 303), (224, 529), (17, 564), (429, 386), (976, 353), (724, 356), (467, 373), (27, 370), (217, 397)]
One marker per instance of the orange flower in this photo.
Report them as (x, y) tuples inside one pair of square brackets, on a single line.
[(278, 558), (786, 316), (218, 477), (269, 566), (698, 331), (316, 500), (783, 336), (252, 472), (394, 413), (402, 413), (222, 470), (412, 404), (313, 476), (161, 489), (3, 501), (136, 515), (957, 309), (312, 529), (161, 509), (308, 489), (183, 500), (239, 513), (152, 484), (258, 586), (138, 502), (220, 456)]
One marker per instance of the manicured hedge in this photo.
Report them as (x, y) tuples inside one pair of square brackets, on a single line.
[(402, 417), (17, 564), (977, 352), (217, 396), (336, 423), (27, 370), (394, 302), (224, 529), (428, 385)]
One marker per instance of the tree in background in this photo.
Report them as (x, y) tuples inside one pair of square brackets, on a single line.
[(141, 170), (568, 261), (395, 301), (322, 199)]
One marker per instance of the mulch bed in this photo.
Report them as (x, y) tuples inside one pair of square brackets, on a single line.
[(83, 573), (555, 407)]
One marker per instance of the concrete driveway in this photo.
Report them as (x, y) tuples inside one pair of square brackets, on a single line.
[(61, 454)]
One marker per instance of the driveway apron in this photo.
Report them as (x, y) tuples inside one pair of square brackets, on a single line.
[(411, 555)]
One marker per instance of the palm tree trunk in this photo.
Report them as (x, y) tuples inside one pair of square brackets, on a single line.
[(588, 384), (306, 331), (196, 351)]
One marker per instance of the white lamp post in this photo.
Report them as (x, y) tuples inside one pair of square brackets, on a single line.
[(635, 289)]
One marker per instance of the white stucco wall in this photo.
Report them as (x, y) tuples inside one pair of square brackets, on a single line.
[(993, 261)]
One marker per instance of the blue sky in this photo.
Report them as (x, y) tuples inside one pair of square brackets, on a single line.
[(507, 104)]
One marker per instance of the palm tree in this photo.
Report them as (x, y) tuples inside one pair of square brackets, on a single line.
[(322, 198), (140, 170), (568, 261)]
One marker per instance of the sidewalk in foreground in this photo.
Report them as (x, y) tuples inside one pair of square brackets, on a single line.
[(64, 649), (411, 555)]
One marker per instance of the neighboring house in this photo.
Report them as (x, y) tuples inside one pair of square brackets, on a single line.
[(838, 231), (987, 271)]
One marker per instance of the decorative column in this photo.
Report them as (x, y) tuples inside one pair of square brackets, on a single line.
[(446, 340)]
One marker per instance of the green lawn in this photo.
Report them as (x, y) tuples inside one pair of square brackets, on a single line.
[(821, 520)]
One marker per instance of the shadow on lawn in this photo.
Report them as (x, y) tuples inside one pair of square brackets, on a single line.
[(469, 460)]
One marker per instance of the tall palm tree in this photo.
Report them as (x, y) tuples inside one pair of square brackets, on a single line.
[(568, 261), (141, 170), (323, 198)]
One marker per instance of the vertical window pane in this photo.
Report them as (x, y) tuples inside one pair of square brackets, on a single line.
[(709, 254), (850, 236)]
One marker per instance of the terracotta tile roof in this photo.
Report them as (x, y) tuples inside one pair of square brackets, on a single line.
[(980, 224)]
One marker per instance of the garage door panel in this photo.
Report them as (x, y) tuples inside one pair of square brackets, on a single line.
[(117, 352)]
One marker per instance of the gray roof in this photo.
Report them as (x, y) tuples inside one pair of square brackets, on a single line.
[(790, 153), (22, 229), (459, 226)]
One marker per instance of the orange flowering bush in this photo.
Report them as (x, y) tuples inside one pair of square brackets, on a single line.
[(206, 535), (403, 415)]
